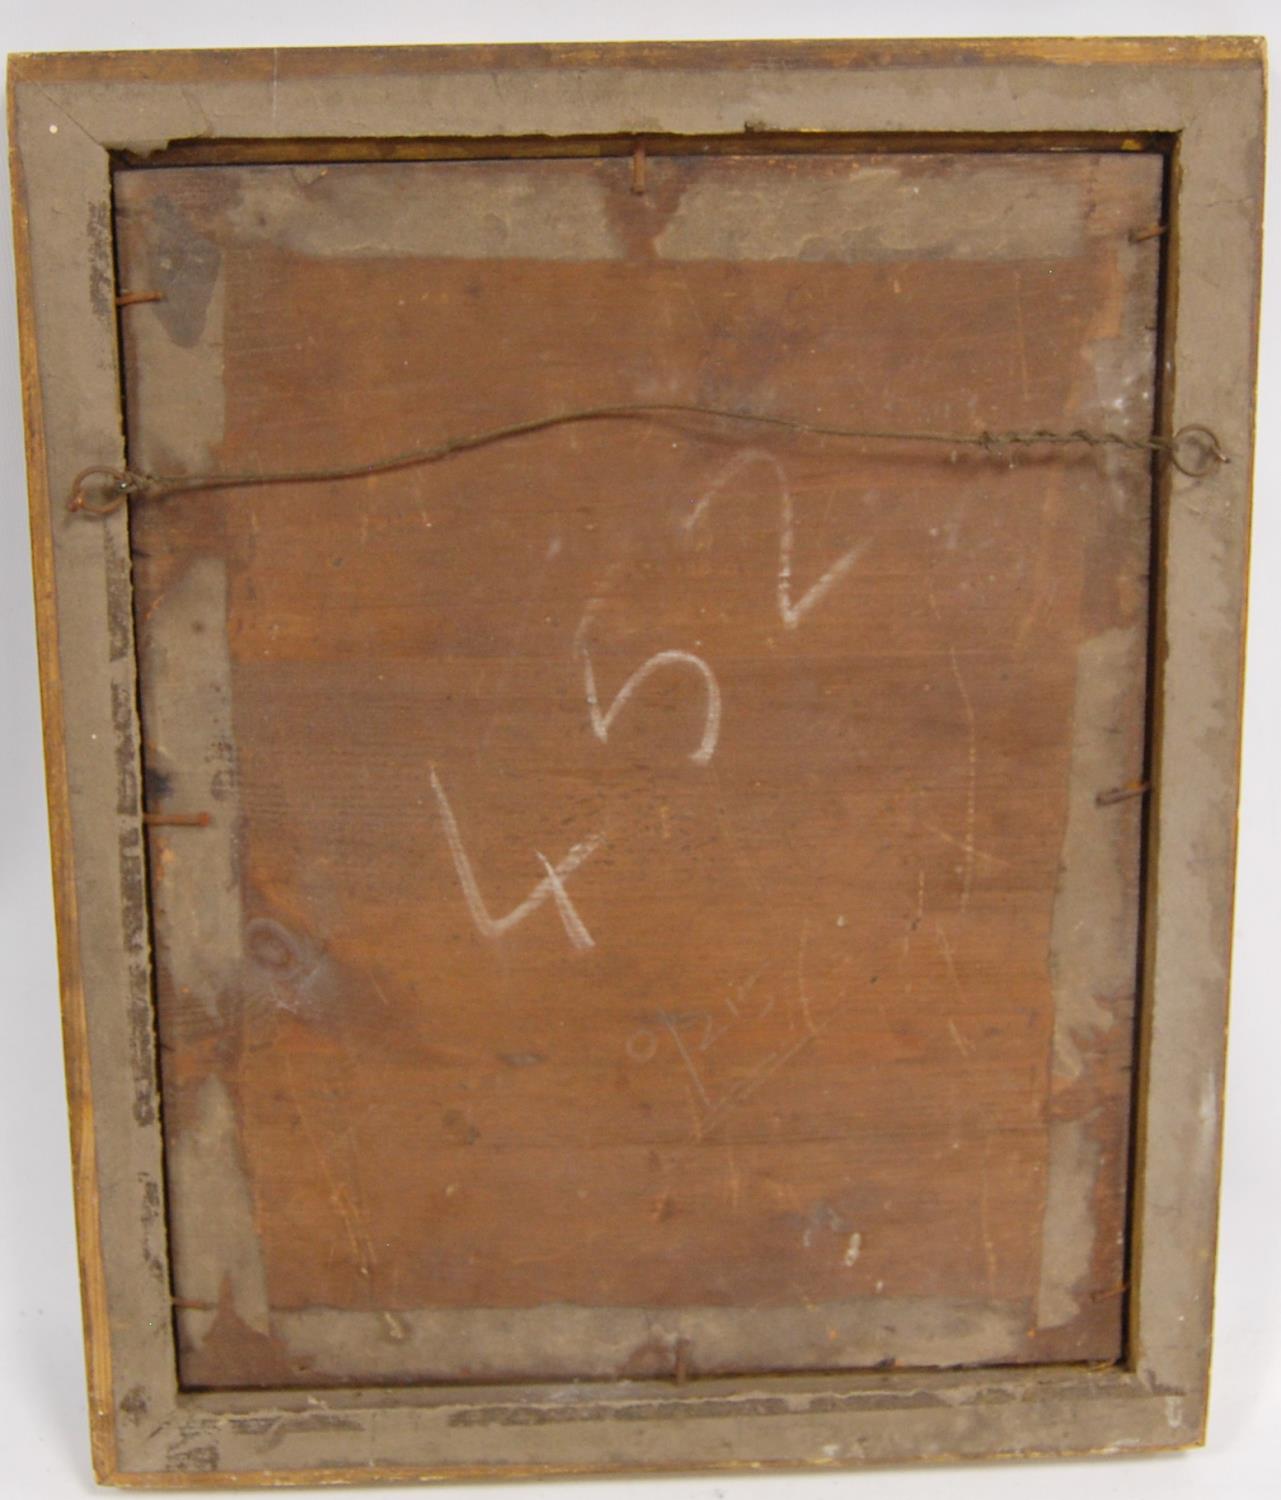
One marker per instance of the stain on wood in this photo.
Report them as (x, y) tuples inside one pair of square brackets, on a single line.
[(656, 917)]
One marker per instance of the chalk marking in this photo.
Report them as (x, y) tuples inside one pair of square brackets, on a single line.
[(550, 887), (578, 934), (601, 721), (693, 1109), (790, 612), (853, 1248), (648, 1045), (688, 1061), (711, 1032), (744, 990), (749, 1085), (774, 1061)]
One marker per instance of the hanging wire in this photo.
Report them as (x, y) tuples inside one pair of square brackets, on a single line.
[(1193, 450)]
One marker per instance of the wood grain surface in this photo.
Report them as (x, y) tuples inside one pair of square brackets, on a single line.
[(655, 915)]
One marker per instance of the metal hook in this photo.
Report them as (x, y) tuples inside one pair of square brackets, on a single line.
[(124, 483), (1196, 440)]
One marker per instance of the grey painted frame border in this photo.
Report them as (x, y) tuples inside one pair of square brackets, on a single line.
[(69, 115)]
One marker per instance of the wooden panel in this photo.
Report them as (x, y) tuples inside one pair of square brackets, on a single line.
[(655, 869)]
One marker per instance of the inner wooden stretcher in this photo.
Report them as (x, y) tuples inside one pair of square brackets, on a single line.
[(670, 895)]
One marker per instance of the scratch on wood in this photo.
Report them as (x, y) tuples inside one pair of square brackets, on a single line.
[(971, 785)]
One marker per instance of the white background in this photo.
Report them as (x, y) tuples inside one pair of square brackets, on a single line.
[(43, 1424)]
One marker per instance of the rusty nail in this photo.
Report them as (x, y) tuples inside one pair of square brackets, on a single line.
[(1122, 793), (638, 167)]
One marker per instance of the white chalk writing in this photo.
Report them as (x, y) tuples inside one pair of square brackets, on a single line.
[(550, 887), (790, 611), (601, 721)]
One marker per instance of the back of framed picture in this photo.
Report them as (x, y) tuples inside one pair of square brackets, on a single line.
[(657, 865), (646, 711)]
